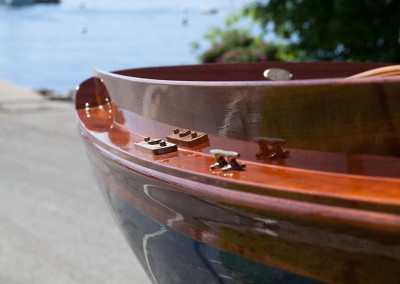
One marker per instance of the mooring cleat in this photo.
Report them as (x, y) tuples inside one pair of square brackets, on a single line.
[(226, 160), (233, 165), (271, 148)]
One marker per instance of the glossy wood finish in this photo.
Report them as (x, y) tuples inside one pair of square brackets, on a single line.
[(340, 183), (336, 115), (326, 252)]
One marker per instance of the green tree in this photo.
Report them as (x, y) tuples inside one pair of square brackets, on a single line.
[(232, 45), (357, 30)]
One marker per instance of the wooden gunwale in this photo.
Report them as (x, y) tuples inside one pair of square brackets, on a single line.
[(307, 188), (369, 202), (249, 83), (303, 210), (303, 112)]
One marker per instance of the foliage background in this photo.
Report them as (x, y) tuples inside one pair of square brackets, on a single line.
[(332, 30)]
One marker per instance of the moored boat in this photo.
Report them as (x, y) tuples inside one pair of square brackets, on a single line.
[(25, 2), (217, 175), (17, 2)]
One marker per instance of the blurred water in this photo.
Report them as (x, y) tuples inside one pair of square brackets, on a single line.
[(57, 46)]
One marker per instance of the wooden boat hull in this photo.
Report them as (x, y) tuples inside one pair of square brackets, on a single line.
[(334, 219)]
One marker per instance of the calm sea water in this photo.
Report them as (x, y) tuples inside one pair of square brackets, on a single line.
[(57, 46)]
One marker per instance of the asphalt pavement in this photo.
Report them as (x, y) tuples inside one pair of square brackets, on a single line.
[(54, 224)]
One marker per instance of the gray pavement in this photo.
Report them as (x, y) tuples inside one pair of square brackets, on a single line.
[(54, 225)]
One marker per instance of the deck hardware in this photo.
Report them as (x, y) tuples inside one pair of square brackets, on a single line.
[(155, 146), (271, 148), (183, 133), (277, 74), (187, 138), (226, 160), (153, 141)]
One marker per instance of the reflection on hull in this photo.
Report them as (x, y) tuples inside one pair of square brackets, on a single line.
[(171, 257), (176, 236)]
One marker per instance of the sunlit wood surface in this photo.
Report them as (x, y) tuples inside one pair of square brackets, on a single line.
[(340, 180)]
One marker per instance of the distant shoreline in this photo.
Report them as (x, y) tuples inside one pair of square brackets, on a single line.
[(53, 95), (11, 92)]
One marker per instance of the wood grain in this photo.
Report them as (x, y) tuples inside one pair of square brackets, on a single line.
[(341, 181)]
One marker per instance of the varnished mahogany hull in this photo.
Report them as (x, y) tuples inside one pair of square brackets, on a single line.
[(326, 213), (180, 237)]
